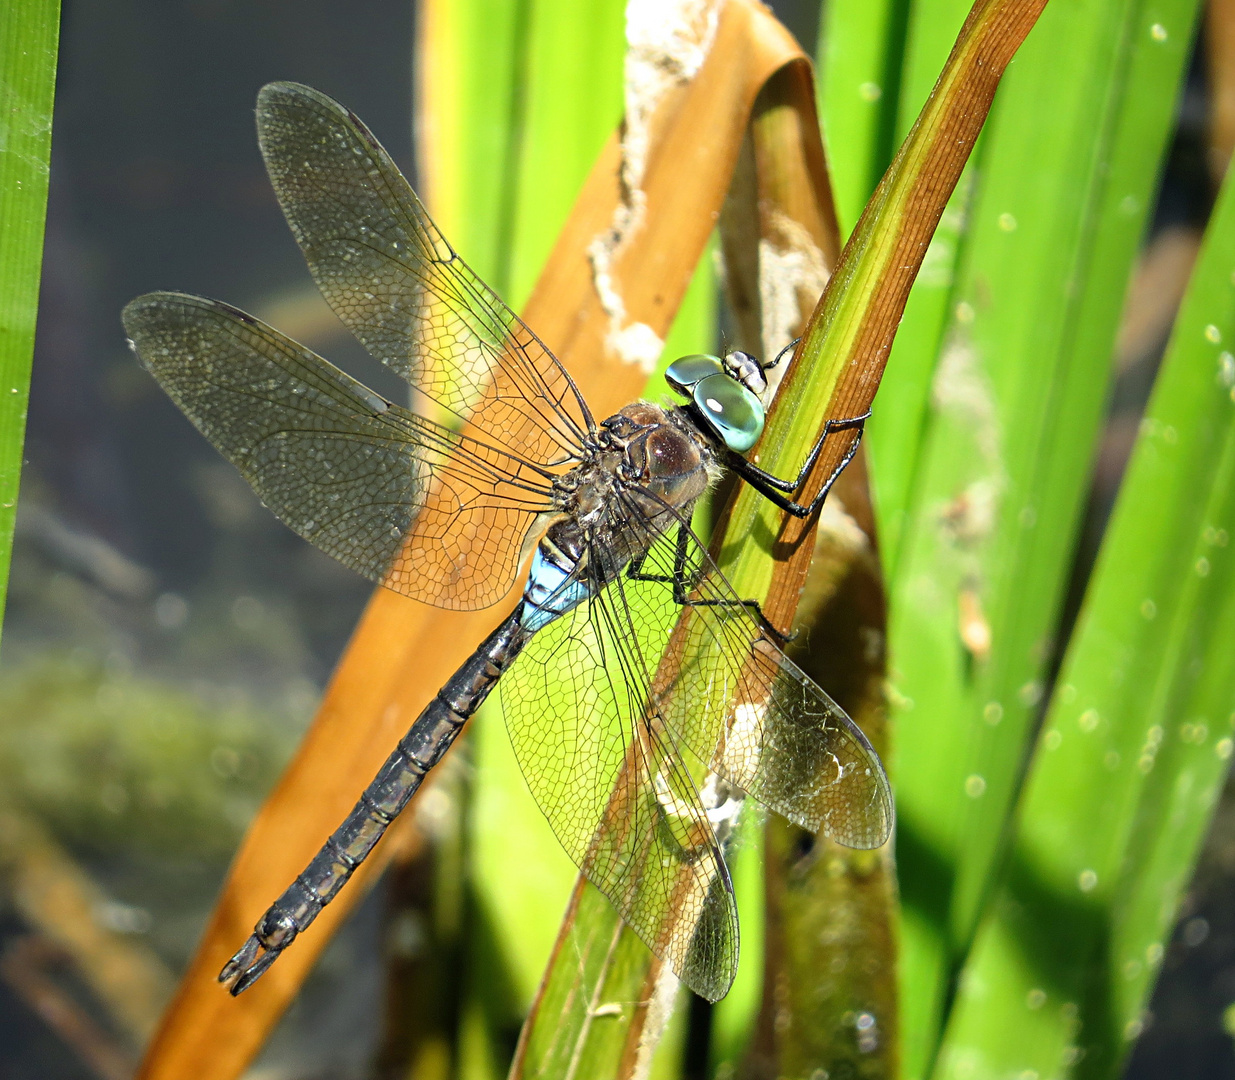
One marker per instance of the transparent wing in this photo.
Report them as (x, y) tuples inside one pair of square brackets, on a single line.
[(400, 499), (391, 277), (602, 702), (616, 792), (728, 692)]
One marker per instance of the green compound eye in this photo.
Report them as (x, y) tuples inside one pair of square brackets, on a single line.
[(687, 371), (732, 411)]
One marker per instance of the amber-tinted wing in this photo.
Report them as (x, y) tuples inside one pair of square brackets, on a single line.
[(406, 502), (398, 285)]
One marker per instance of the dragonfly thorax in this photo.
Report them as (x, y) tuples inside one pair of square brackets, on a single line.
[(643, 472), (656, 456)]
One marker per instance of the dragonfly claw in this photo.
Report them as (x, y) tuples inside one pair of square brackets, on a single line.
[(246, 967)]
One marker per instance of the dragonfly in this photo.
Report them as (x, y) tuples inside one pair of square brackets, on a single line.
[(629, 667)]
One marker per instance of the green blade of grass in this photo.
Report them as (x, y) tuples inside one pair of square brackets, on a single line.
[(895, 430), (816, 927), (856, 321), (931, 27), (472, 71), (831, 911), (29, 33), (839, 364), (1138, 738), (569, 102), (734, 1016), (599, 990), (516, 101), (604, 1000), (853, 327), (572, 101), (1017, 402)]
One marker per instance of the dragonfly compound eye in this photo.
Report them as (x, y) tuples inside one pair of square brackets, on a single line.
[(732, 411), (686, 372)]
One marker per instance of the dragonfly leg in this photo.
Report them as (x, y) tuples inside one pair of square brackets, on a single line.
[(683, 581), (781, 355), (775, 489)]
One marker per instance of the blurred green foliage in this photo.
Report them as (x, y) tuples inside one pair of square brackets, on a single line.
[(116, 763)]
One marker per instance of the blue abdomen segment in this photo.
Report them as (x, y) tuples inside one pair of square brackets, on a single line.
[(549, 592)]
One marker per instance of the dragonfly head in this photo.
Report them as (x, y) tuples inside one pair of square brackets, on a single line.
[(725, 393)]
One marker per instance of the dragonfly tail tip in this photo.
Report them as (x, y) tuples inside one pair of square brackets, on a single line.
[(246, 967)]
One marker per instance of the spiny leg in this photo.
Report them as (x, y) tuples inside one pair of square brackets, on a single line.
[(683, 581), (771, 487)]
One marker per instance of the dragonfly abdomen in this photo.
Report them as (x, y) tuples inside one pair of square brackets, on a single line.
[(551, 591), (426, 741)]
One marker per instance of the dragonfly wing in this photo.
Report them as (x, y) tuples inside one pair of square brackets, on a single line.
[(398, 285), (616, 792), (729, 693), (406, 502)]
